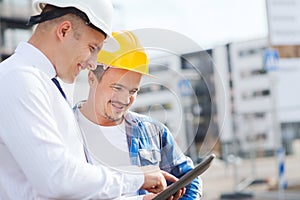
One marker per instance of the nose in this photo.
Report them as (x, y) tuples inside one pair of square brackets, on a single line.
[(91, 62), (123, 97)]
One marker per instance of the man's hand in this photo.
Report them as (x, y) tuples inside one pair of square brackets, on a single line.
[(154, 180), (177, 195), (173, 179)]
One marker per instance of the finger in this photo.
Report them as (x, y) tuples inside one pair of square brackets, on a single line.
[(169, 176), (155, 189), (178, 194), (182, 191), (171, 198)]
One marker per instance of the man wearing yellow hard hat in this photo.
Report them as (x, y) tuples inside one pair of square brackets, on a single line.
[(117, 137)]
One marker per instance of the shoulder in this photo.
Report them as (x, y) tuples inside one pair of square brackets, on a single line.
[(137, 116), (25, 84), (25, 78), (144, 119), (149, 125)]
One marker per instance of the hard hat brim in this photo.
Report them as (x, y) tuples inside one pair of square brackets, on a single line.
[(110, 44), (128, 69)]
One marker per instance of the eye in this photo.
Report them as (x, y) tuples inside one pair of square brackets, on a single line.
[(116, 88), (133, 92), (92, 48)]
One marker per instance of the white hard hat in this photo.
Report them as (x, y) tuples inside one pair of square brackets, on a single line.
[(99, 13)]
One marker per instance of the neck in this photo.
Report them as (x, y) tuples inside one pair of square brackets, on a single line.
[(87, 110), (45, 46)]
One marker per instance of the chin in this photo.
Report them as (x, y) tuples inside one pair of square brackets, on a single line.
[(69, 80), (117, 118)]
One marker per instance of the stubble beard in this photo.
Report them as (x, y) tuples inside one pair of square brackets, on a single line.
[(113, 119)]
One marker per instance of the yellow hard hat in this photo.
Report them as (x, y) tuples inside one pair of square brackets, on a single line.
[(130, 55)]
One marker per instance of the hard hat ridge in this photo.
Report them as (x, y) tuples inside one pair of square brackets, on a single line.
[(130, 55)]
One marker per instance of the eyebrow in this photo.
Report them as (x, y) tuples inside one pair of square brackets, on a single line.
[(120, 85)]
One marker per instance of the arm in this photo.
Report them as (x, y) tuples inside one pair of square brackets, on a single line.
[(50, 157), (176, 163), (152, 144), (194, 189)]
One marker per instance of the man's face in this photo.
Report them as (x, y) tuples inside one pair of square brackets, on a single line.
[(79, 48), (114, 95)]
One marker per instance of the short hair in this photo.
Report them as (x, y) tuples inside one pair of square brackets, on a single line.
[(99, 71), (48, 20)]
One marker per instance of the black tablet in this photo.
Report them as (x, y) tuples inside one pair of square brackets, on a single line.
[(186, 179)]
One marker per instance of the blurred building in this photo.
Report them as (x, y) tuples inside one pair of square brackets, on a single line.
[(283, 24), (13, 18), (256, 125)]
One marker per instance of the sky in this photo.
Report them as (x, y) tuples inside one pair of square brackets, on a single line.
[(207, 22)]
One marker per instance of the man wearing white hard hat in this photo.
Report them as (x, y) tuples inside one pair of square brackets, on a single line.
[(41, 149)]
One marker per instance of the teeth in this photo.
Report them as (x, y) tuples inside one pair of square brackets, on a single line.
[(79, 66), (116, 105)]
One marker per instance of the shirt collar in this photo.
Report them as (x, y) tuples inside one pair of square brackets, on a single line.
[(36, 58), (130, 119)]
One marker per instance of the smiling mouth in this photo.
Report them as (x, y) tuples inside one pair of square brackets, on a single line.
[(119, 106), (80, 67)]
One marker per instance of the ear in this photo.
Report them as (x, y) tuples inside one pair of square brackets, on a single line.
[(92, 78), (63, 29)]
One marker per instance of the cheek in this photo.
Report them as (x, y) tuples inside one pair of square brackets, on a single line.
[(112, 95), (132, 99), (99, 105), (81, 53), (102, 96), (83, 57)]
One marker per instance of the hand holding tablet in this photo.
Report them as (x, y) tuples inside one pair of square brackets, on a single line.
[(186, 179)]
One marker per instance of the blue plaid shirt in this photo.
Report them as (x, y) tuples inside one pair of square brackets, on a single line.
[(151, 143)]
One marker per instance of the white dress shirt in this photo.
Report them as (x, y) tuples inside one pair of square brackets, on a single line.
[(41, 150)]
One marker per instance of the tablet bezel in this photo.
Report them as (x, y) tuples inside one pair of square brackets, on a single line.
[(186, 179)]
